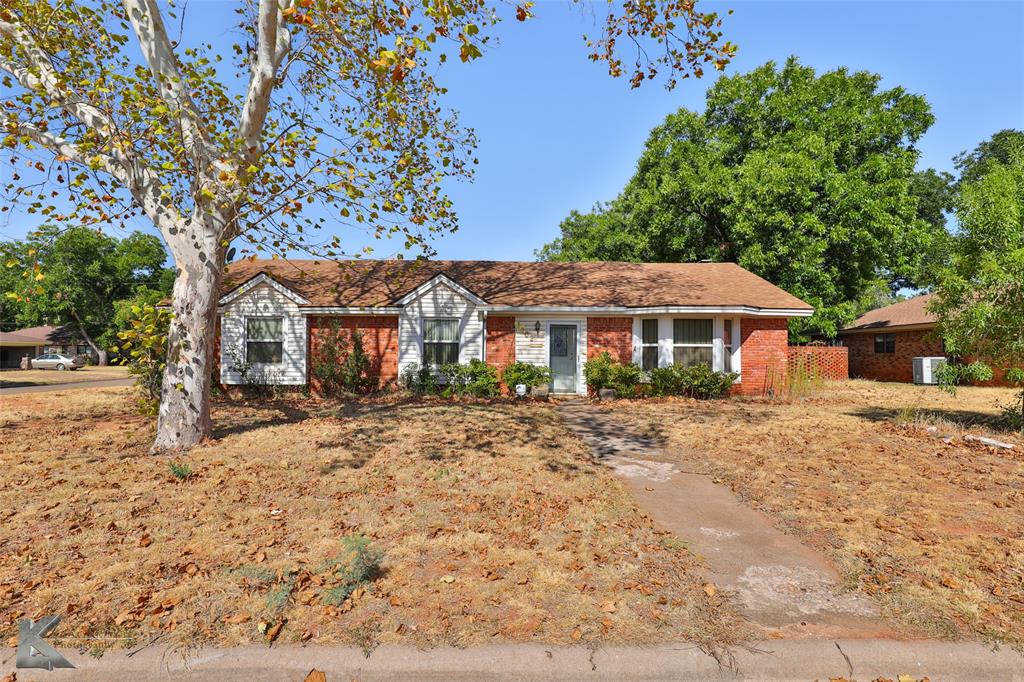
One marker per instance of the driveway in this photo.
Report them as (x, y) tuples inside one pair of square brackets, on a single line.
[(781, 585)]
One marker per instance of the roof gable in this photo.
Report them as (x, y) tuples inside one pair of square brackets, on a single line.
[(262, 278), (440, 279)]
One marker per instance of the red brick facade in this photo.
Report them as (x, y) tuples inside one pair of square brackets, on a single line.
[(501, 341), (827, 362), (865, 363), (380, 341), (764, 348), (612, 334)]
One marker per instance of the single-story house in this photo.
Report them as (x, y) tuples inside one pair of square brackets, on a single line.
[(884, 342), (274, 315), (35, 341)]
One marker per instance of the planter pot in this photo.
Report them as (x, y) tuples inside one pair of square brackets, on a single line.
[(540, 391), (607, 394)]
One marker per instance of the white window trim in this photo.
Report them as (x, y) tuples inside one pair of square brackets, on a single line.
[(246, 339), (422, 336), (666, 340)]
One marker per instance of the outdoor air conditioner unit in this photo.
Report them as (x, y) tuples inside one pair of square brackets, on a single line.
[(925, 368)]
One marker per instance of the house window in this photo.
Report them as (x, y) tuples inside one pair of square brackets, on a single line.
[(264, 340), (885, 343), (692, 342), (648, 344), (727, 343), (440, 341)]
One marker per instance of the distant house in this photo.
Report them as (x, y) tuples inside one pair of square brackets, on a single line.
[(34, 341), (883, 342), (275, 315)]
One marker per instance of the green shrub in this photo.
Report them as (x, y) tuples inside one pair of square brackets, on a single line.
[(604, 372), (625, 378), (420, 380), (524, 373), (699, 381), (360, 566), (181, 472), (476, 379), (598, 372), (340, 363)]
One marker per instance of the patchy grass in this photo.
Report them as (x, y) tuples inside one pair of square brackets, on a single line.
[(933, 530), (421, 522), (44, 377)]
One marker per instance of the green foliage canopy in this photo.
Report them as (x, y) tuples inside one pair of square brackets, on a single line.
[(806, 180)]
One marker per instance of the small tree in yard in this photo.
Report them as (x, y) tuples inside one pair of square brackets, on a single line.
[(143, 349), (980, 295), (326, 103)]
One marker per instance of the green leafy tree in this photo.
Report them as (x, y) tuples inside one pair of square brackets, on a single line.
[(975, 164), (325, 103), (804, 179), (980, 293), (78, 275), (142, 345)]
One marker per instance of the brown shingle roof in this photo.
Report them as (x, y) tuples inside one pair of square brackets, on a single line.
[(505, 283), (36, 335), (903, 314)]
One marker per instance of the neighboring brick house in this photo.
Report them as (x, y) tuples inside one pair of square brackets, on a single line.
[(275, 314), (884, 342), (34, 341)]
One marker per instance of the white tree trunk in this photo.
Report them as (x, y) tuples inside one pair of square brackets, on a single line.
[(184, 418)]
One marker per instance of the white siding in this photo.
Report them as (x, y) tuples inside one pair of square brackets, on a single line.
[(532, 346), (264, 301), (439, 301)]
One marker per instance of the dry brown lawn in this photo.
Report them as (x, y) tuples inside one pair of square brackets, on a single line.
[(493, 523), (933, 530), (40, 377)]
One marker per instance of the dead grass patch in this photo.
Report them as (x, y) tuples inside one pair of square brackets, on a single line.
[(933, 530), (488, 520)]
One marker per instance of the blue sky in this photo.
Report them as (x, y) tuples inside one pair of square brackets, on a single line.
[(557, 133)]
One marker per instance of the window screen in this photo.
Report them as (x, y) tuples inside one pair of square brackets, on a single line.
[(648, 344), (440, 341), (264, 340), (692, 342), (727, 342)]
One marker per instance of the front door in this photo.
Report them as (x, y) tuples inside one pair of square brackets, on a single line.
[(563, 358)]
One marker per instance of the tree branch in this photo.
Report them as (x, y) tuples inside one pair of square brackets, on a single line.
[(273, 43), (163, 64), (46, 81)]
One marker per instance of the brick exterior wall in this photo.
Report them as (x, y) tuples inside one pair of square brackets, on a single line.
[(764, 350), (828, 362), (612, 334), (380, 341), (865, 363), (501, 341)]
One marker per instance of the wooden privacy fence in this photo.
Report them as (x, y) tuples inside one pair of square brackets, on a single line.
[(818, 362)]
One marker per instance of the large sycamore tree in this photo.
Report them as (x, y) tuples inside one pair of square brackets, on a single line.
[(320, 108)]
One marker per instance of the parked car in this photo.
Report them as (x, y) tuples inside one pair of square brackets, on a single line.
[(57, 361)]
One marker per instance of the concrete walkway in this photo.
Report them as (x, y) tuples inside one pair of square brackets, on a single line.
[(781, 585), (782, 661), (71, 385)]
